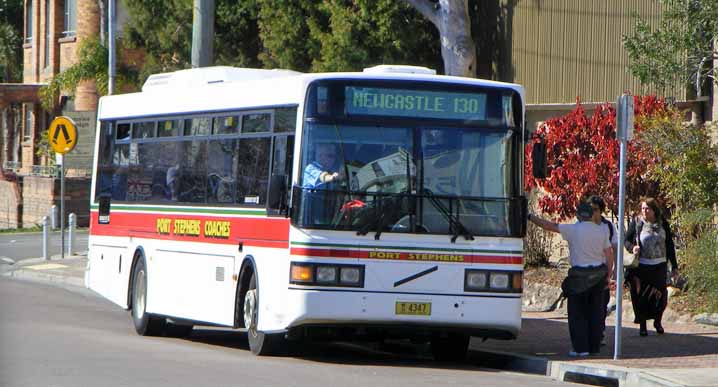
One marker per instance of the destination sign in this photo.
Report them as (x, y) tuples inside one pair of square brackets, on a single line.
[(374, 101)]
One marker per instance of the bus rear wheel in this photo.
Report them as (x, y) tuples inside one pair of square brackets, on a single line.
[(449, 347), (145, 323), (260, 343)]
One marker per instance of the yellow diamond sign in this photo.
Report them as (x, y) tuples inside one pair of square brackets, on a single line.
[(62, 134)]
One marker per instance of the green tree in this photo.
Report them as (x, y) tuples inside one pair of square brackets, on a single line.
[(237, 31), (340, 35), (166, 43), (11, 32), (680, 49), (687, 169), (284, 30)]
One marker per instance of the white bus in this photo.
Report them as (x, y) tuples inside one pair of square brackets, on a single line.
[(215, 201)]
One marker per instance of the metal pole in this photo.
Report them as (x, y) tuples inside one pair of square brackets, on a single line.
[(53, 217), (45, 237), (71, 237), (619, 253), (62, 209), (111, 46), (202, 33)]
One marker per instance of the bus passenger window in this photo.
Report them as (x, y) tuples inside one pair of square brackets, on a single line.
[(169, 128), (197, 126), (192, 172), (226, 125), (222, 171), (256, 123), (253, 172), (123, 132), (285, 120), (143, 129)]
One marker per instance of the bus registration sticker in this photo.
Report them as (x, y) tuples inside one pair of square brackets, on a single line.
[(413, 308)]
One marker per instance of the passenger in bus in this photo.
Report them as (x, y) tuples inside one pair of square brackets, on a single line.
[(591, 267), (324, 170), (173, 182)]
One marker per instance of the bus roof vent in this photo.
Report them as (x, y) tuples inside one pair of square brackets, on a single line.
[(210, 75), (400, 69)]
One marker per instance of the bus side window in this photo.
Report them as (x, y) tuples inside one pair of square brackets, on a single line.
[(282, 161), (105, 169), (253, 170)]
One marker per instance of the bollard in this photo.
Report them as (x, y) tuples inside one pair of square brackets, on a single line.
[(53, 216), (71, 236), (45, 239)]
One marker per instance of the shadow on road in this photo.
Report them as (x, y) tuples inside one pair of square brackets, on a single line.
[(389, 353)]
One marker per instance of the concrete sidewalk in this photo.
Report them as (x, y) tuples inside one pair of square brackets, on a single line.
[(687, 355)]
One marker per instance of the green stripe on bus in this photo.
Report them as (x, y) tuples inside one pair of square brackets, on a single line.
[(186, 209), (404, 248)]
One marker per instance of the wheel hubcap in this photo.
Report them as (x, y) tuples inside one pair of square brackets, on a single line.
[(138, 304), (250, 311)]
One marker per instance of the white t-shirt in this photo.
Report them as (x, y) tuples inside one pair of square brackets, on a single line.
[(586, 242), (614, 239)]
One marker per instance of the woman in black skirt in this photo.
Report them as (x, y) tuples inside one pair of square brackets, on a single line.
[(649, 236)]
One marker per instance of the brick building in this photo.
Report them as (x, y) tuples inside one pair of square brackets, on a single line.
[(53, 30)]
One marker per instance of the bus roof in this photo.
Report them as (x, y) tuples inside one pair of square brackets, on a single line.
[(222, 88)]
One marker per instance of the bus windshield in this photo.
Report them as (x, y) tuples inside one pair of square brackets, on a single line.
[(405, 179)]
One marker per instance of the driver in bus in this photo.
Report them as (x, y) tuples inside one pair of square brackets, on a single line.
[(325, 170)]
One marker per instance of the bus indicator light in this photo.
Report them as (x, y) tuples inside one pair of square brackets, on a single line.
[(302, 273)]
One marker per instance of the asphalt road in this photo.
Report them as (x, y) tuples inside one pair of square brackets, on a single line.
[(19, 246), (55, 336)]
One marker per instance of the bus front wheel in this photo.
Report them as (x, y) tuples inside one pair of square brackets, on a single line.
[(145, 323), (260, 343)]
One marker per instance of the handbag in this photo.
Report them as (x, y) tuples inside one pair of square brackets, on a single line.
[(630, 260)]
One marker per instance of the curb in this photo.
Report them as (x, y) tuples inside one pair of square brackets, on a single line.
[(45, 277), (20, 271), (513, 362), (606, 375)]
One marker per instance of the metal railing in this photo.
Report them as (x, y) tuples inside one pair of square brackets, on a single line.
[(12, 166), (44, 170)]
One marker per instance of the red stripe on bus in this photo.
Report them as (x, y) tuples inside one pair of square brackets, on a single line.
[(261, 232), (404, 256)]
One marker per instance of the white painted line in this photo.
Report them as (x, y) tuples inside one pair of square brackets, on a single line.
[(46, 266)]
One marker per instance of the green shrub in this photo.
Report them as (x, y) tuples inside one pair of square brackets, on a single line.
[(699, 261)]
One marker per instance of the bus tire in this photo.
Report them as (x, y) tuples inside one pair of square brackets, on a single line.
[(451, 347), (145, 323), (260, 343)]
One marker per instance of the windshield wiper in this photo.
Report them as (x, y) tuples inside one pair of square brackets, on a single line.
[(458, 227), (378, 223)]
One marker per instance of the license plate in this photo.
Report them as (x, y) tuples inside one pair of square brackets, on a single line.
[(413, 308)]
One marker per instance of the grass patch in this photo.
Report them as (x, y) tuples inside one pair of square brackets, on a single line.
[(19, 230)]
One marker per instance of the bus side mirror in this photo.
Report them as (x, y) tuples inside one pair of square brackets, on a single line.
[(538, 160), (104, 210), (276, 200)]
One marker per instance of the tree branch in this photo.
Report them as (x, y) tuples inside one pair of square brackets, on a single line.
[(427, 9)]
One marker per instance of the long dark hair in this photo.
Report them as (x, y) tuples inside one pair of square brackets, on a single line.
[(653, 204)]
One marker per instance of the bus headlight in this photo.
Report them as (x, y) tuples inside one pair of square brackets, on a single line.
[(326, 274), (499, 281), (351, 275), (476, 279), (493, 281)]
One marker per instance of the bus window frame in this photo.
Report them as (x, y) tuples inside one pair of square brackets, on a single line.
[(181, 137)]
